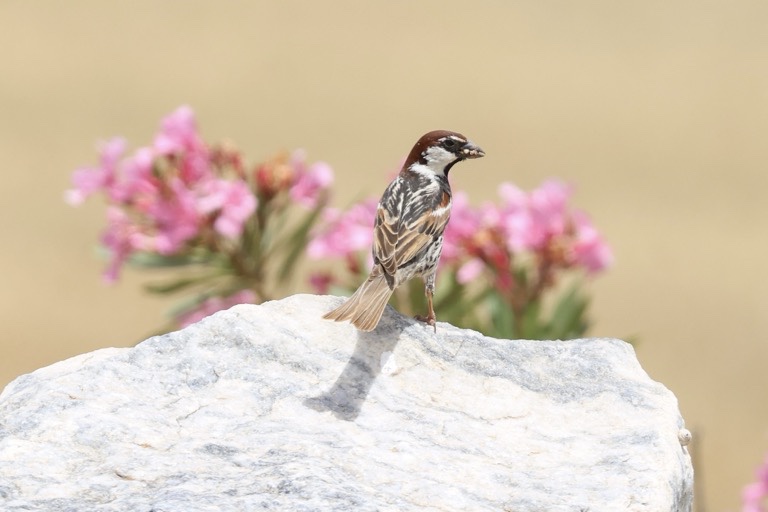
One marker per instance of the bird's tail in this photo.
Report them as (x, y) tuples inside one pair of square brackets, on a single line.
[(365, 307)]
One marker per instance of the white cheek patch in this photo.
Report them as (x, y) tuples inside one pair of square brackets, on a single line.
[(436, 154), (438, 158)]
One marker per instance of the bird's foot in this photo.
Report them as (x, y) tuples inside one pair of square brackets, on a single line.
[(429, 320)]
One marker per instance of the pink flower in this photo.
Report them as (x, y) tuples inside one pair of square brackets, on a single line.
[(87, 181), (119, 238), (530, 221), (320, 282), (310, 182), (589, 249), (464, 223), (178, 137), (174, 217), (470, 270), (214, 304), (234, 202), (755, 495), (547, 206), (178, 132), (513, 218), (136, 180), (345, 233)]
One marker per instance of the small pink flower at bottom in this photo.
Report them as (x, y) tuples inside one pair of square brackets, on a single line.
[(321, 282), (754, 497), (214, 304)]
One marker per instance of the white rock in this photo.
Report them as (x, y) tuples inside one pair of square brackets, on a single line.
[(272, 408)]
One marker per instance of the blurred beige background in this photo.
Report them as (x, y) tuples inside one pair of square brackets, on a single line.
[(657, 111)]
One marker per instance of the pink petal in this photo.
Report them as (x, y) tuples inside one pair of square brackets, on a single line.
[(470, 271), (234, 202), (310, 182), (175, 218), (177, 132), (88, 181), (118, 239), (137, 179), (512, 196), (320, 282), (590, 250), (753, 496), (346, 233), (547, 206)]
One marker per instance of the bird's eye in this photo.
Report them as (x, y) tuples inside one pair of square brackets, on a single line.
[(449, 143)]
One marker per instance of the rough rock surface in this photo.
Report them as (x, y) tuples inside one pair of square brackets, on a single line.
[(272, 408)]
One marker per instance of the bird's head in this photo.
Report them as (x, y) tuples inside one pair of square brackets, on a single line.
[(439, 150)]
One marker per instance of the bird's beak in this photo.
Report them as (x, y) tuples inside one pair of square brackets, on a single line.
[(470, 150)]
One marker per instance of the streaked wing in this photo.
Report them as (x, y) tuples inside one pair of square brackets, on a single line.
[(401, 233), (417, 235), (387, 228)]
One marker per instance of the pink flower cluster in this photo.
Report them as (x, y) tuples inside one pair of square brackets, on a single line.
[(307, 184), (345, 233), (309, 181), (539, 222), (162, 196), (166, 196), (755, 495)]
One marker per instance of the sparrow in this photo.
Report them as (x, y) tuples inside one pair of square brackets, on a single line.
[(408, 231)]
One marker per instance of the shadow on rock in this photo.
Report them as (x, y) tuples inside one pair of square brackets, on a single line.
[(348, 393)]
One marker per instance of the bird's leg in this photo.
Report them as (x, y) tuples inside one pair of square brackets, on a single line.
[(429, 290)]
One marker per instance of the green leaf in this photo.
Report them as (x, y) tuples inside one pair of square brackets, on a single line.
[(297, 242), (186, 305), (416, 298), (532, 328), (218, 290), (458, 306), (168, 287), (448, 293), (503, 322), (520, 275), (269, 241), (178, 284), (568, 316), (153, 260)]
